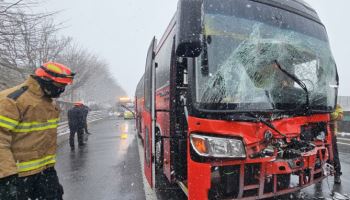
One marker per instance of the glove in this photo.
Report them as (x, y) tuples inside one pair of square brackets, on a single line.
[(8, 187)]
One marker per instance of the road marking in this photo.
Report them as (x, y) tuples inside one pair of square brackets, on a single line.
[(124, 136), (343, 143), (125, 128), (340, 138), (149, 193)]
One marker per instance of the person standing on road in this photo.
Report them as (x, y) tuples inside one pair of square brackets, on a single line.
[(76, 124), (336, 116), (28, 135), (86, 110)]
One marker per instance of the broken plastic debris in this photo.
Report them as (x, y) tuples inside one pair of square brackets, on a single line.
[(328, 169)]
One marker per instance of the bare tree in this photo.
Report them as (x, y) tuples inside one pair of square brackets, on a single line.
[(7, 6), (26, 41), (93, 81), (29, 39), (103, 88)]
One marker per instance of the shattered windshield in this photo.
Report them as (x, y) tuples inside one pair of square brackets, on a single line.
[(238, 69)]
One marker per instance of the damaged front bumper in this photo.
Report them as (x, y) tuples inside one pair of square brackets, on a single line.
[(263, 177)]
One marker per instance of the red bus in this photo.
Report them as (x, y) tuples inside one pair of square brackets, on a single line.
[(235, 99)]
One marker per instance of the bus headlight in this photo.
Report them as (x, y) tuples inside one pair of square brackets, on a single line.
[(218, 147)]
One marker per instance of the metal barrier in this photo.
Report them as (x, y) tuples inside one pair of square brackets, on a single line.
[(344, 125)]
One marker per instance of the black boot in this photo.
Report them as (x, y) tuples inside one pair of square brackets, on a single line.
[(82, 144), (337, 179)]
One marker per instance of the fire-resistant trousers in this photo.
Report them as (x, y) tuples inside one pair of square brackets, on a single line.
[(41, 186), (8, 187), (337, 166)]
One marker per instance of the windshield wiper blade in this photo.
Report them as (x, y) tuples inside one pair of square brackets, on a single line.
[(299, 82), (241, 117), (268, 124)]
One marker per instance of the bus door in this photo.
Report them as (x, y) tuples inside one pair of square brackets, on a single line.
[(149, 115)]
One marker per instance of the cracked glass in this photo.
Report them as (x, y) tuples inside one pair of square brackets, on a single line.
[(247, 64)]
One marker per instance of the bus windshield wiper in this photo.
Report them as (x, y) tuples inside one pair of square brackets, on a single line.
[(299, 82), (268, 124)]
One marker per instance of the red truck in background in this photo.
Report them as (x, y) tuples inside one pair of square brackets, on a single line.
[(235, 100)]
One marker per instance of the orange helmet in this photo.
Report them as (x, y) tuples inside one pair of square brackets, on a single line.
[(56, 72), (78, 103)]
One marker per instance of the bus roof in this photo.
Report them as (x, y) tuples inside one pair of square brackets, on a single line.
[(296, 6)]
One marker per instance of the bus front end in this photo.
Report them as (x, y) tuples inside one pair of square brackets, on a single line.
[(246, 160), (259, 99)]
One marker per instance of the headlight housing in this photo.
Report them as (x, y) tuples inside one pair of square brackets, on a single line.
[(217, 147)]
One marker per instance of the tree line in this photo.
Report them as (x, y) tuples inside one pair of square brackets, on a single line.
[(28, 39)]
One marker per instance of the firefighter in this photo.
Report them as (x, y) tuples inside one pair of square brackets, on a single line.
[(28, 135), (336, 116), (76, 124)]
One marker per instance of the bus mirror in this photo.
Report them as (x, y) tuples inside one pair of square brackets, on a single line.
[(188, 37)]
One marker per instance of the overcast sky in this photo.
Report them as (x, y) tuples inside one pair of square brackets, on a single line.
[(120, 31)]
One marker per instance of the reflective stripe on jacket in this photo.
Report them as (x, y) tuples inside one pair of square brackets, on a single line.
[(28, 130), (338, 113), (34, 164), (8, 123), (36, 126), (336, 116)]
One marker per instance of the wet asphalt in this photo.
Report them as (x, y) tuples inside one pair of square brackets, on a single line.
[(327, 187), (108, 168)]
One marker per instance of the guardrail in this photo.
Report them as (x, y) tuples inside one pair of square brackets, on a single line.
[(63, 128)]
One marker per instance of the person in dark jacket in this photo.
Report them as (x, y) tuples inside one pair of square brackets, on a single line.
[(76, 124), (86, 110)]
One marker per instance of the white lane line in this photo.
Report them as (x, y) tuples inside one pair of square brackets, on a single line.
[(149, 193), (345, 139), (343, 143), (343, 134)]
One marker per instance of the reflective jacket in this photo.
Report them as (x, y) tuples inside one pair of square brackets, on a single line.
[(337, 115), (28, 130)]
